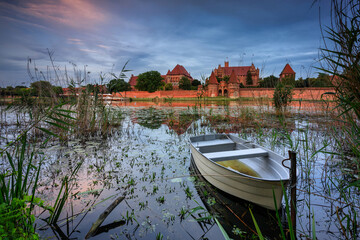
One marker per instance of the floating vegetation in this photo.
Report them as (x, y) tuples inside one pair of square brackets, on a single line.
[(148, 162)]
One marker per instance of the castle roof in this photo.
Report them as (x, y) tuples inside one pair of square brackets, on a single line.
[(212, 79), (233, 78), (238, 70), (179, 70), (287, 70), (133, 80)]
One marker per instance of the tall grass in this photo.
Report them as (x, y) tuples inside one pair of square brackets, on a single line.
[(19, 177), (340, 57), (17, 189)]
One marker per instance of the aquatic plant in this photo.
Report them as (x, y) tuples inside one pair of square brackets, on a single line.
[(17, 190), (282, 96)]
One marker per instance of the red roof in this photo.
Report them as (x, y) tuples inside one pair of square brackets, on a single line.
[(238, 70), (287, 70), (212, 79), (233, 77), (179, 70), (133, 80)]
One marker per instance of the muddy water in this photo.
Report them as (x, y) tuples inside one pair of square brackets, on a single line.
[(147, 160)]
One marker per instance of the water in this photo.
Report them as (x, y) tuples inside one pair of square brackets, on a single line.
[(147, 160)]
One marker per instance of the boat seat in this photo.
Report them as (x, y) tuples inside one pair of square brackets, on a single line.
[(236, 154), (214, 142)]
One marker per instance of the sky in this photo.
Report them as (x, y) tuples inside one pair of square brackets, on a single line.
[(87, 39)]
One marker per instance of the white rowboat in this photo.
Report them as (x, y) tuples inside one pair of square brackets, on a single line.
[(242, 169)]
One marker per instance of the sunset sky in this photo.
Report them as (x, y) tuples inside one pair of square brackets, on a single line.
[(157, 35)]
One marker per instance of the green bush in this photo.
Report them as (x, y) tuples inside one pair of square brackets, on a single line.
[(16, 220), (282, 95)]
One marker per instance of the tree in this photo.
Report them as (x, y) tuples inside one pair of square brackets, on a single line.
[(168, 87), (41, 88), (185, 83), (118, 85), (249, 80), (149, 81), (288, 81), (19, 90), (323, 80), (269, 82), (57, 90), (226, 79), (195, 83), (282, 95)]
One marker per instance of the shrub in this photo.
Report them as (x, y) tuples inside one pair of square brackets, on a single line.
[(282, 95)]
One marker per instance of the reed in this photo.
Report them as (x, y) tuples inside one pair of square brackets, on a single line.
[(17, 189)]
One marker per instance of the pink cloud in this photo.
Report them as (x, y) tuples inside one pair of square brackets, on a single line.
[(71, 13), (103, 46), (75, 41)]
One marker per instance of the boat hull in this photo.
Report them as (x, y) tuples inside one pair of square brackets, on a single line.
[(256, 190)]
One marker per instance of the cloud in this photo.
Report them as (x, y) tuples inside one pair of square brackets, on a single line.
[(157, 35), (78, 14), (103, 46), (75, 41)]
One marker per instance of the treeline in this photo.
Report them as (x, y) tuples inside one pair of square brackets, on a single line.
[(36, 89), (322, 80)]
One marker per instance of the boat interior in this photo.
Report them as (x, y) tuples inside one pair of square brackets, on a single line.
[(230, 152)]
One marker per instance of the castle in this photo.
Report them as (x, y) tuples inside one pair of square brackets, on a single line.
[(172, 77), (287, 72), (241, 73), (224, 81)]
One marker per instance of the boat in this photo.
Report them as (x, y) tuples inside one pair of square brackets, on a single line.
[(241, 168), (229, 209)]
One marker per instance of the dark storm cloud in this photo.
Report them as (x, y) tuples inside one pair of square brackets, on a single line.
[(157, 35)]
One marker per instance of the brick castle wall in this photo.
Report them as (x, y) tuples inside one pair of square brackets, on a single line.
[(299, 93)]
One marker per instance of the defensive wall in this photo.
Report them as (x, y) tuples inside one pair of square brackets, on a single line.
[(298, 93)]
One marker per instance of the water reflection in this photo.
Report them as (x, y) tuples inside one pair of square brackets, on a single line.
[(234, 214), (149, 149)]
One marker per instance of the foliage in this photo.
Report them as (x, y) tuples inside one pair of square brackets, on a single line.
[(341, 59), (301, 83), (41, 88), (323, 80), (185, 83), (57, 90), (249, 80), (226, 78), (149, 81), (282, 96), (168, 87), (16, 220), (17, 188), (288, 81), (118, 85), (195, 83), (269, 82)]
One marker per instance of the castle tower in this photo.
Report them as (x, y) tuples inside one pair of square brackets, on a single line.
[(213, 86), (287, 73), (233, 86)]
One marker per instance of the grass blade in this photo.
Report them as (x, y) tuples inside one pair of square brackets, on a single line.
[(256, 226)]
